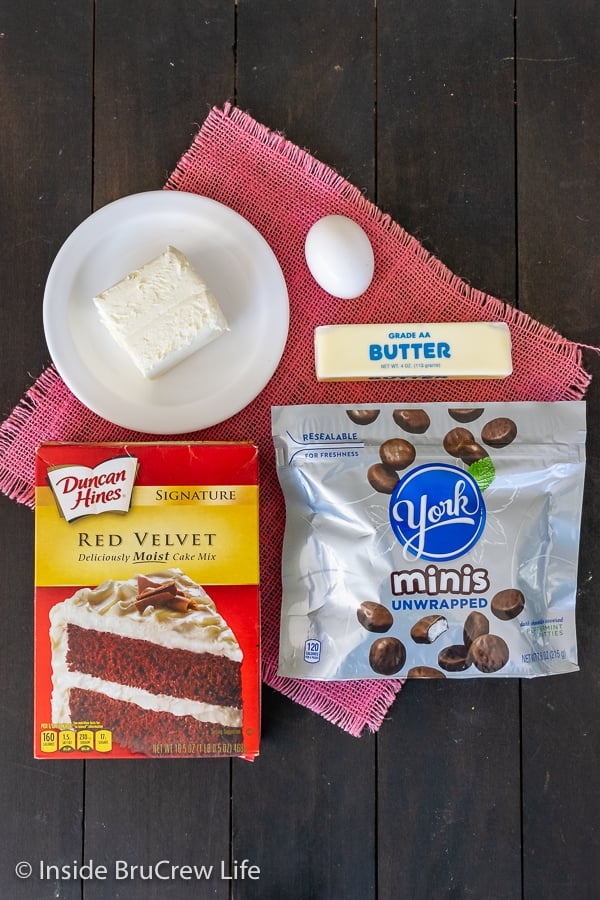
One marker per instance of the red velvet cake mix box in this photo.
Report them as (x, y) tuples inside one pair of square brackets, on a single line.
[(147, 640)]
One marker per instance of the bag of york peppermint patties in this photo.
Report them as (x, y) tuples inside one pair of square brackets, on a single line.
[(434, 541)]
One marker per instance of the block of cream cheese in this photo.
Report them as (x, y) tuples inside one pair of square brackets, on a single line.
[(161, 313), (439, 350)]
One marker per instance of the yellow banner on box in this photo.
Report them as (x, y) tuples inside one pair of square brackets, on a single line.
[(211, 531)]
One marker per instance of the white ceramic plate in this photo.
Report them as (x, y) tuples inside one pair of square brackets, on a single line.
[(238, 266)]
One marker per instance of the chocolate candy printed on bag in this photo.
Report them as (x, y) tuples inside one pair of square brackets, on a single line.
[(430, 541)]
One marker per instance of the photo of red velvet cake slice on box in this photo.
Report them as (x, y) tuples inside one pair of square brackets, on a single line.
[(153, 657), (147, 640)]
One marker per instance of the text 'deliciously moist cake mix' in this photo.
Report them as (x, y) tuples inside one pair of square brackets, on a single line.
[(147, 604), (433, 541)]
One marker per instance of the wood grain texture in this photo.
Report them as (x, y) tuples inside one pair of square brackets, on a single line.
[(305, 811), (449, 793), (158, 70), (45, 152), (159, 67), (558, 68), (146, 820), (449, 759), (445, 120), (558, 116), (45, 189), (300, 65), (481, 789), (308, 69)]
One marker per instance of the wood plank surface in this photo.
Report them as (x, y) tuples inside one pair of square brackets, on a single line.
[(159, 67), (449, 759), (153, 85), (558, 116), (300, 65), (445, 121), (309, 69), (481, 789), (45, 191)]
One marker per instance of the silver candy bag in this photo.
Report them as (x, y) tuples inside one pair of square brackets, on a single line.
[(430, 541)]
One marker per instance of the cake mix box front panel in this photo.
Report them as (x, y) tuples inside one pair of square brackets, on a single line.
[(147, 632)]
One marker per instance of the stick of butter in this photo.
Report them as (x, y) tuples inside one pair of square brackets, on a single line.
[(439, 350)]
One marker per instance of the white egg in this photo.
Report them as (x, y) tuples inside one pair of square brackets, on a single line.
[(339, 256)]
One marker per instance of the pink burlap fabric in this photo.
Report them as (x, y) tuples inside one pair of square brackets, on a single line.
[(282, 190)]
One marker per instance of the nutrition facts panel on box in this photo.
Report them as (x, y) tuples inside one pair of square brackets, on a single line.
[(84, 740)]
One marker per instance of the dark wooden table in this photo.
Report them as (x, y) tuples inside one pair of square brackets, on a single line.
[(477, 126)]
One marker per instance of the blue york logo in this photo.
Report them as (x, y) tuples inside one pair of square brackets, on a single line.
[(437, 512)]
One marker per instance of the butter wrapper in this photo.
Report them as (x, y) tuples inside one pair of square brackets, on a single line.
[(437, 350)]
